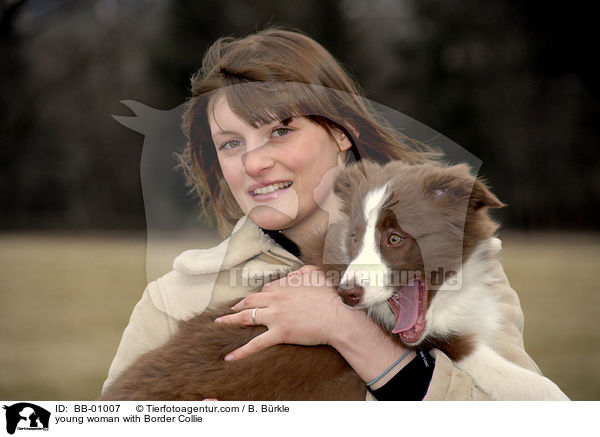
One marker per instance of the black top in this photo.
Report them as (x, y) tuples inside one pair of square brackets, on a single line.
[(283, 241), (412, 382)]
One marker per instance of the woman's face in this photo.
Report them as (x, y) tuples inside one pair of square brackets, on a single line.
[(278, 173)]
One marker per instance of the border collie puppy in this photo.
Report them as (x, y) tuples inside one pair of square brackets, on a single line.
[(421, 245), (413, 250)]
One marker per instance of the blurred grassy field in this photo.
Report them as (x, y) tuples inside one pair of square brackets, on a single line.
[(67, 298)]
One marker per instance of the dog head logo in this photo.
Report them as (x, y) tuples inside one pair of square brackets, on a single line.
[(26, 416)]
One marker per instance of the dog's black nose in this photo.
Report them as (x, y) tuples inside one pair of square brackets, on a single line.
[(351, 296)]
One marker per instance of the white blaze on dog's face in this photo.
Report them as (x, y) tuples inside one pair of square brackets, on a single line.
[(367, 260), (386, 268)]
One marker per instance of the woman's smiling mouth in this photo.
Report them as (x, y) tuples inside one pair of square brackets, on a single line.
[(267, 192)]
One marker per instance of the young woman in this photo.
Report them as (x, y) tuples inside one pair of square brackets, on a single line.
[(271, 118)]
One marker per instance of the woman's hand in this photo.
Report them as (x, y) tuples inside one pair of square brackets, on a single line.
[(297, 311), (302, 308)]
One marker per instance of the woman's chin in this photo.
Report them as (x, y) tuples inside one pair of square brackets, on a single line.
[(271, 218)]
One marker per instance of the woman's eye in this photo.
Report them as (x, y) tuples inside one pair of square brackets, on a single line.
[(395, 239), (281, 131), (230, 145)]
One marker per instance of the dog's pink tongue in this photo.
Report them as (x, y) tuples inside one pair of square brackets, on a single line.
[(405, 304)]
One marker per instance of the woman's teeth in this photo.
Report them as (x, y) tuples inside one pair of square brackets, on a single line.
[(271, 188)]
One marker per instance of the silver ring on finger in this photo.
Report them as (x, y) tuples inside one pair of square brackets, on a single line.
[(254, 316)]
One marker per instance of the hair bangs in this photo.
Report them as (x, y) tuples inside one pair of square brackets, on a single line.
[(267, 102)]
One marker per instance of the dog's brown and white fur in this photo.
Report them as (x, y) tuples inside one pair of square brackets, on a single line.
[(398, 218), (427, 221)]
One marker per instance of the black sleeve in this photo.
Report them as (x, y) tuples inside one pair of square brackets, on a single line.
[(409, 384)]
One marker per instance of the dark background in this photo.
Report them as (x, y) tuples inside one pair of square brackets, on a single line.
[(513, 82)]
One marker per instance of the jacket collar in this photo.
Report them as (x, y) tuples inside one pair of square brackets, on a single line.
[(246, 241)]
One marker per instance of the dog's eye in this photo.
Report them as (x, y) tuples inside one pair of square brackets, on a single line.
[(395, 239)]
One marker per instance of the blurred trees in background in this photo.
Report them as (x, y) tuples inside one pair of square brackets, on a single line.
[(512, 82)]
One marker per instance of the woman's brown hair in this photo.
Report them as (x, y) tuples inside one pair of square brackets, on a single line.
[(273, 75)]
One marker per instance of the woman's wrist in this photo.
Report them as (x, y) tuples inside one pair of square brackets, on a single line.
[(367, 348)]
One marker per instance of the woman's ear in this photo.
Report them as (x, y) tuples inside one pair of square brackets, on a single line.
[(342, 140), (353, 131)]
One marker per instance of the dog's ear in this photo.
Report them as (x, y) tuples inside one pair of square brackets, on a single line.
[(455, 184), (445, 184), (346, 183), (482, 197)]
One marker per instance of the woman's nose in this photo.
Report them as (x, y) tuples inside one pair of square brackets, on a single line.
[(257, 160)]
